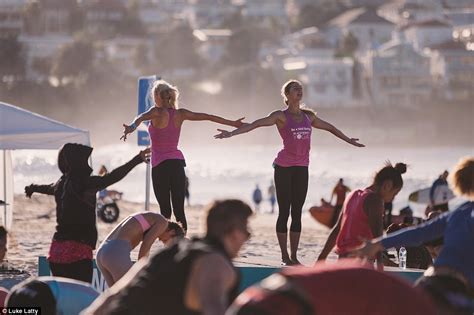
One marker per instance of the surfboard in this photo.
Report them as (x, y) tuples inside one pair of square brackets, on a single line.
[(442, 195), (323, 214)]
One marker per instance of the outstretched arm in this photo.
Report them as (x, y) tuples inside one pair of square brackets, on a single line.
[(189, 115), (410, 236), (42, 189), (101, 182), (318, 123), (148, 115), (270, 120)]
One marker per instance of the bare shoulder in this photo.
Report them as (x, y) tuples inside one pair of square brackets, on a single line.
[(156, 111), (278, 115), (183, 112)]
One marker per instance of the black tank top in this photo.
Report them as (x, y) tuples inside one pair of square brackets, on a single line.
[(159, 288)]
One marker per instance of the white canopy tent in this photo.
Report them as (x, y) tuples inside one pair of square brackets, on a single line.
[(21, 129)]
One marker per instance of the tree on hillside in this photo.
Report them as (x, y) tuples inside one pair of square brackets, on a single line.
[(244, 45), (131, 24), (12, 60), (347, 46), (318, 14), (32, 18), (73, 60), (176, 49)]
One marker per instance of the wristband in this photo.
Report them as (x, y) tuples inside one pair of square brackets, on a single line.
[(133, 126)]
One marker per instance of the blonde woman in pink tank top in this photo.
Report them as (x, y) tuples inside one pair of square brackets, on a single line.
[(294, 124), (167, 160)]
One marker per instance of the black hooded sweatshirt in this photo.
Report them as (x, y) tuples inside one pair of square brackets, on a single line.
[(75, 193)]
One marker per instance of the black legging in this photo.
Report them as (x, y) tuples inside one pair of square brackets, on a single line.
[(81, 270), (291, 184), (169, 179)]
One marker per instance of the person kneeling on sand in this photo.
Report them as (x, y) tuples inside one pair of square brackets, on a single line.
[(53, 295), (450, 281), (191, 277), (113, 257)]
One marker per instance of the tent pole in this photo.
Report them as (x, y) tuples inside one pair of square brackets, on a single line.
[(5, 188)]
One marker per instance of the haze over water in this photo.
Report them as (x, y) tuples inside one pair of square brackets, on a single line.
[(225, 170)]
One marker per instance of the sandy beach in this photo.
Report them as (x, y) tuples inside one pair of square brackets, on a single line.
[(35, 220)]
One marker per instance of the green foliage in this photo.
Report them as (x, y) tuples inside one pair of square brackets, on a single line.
[(74, 60), (131, 25), (12, 61), (176, 49), (347, 46), (318, 14), (32, 18), (244, 45)]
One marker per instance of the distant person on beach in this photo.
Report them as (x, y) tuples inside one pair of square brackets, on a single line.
[(186, 191), (191, 277), (291, 165), (451, 279), (362, 215), (167, 160), (257, 197), (3, 243), (113, 256), (340, 191), (272, 195), (53, 295), (70, 254), (439, 187), (346, 287)]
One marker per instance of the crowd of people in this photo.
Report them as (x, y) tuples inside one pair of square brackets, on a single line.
[(197, 276)]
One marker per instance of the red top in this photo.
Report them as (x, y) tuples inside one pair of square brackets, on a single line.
[(355, 223), (164, 141), (296, 142)]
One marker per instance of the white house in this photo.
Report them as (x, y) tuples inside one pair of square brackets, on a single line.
[(41, 48), (452, 66), (212, 43), (397, 74), (370, 29), (426, 33), (329, 82), (267, 13), (209, 13), (11, 19), (402, 12), (305, 45)]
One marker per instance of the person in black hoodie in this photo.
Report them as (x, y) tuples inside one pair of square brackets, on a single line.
[(70, 254)]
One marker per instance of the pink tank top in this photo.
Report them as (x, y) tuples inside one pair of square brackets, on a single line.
[(164, 141), (355, 223), (296, 142)]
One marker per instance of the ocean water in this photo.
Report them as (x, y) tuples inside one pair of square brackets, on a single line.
[(222, 171)]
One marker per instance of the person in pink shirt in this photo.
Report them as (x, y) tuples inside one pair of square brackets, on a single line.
[(362, 214), (295, 125), (167, 160)]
